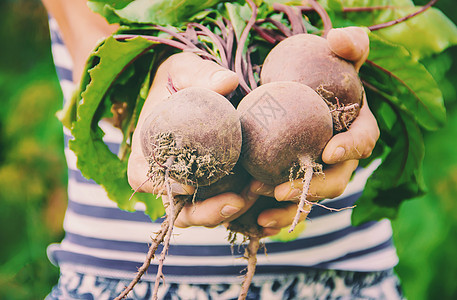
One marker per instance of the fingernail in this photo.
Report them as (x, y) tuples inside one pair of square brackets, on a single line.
[(338, 153), (294, 194), (228, 211), (271, 224), (219, 76), (265, 189), (290, 194)]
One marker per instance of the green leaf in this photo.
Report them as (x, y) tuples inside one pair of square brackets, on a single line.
[(410, 86), (399, 176), (285, 236), (117, 4), (423, 35), (403, 96), (332, 5), (160, 12), (388, 10), (94, 158), (108, 12), (67, 115), (286, 2), (238, 15)]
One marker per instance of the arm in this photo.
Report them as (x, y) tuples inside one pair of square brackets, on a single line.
[(81, 29)]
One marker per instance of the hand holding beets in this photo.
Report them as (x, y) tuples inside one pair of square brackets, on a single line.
[(342, 151)]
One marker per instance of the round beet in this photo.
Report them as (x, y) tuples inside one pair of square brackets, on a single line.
[(195, 134), (286, 126), (306, 58)]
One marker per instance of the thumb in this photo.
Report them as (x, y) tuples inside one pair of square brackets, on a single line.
[(351, 43), (188, 69)]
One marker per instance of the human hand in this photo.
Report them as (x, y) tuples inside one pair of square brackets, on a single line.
[(341, 153), (186, 70)]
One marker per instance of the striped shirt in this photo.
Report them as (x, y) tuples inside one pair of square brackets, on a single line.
[(103, 240)]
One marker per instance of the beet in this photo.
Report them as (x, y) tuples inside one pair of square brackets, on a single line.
[(196, 134), (307, 58), (286, 126)]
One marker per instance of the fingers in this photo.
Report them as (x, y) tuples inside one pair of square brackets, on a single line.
[(351, 43), (188, 69), (356, 143), (216, 210), (277, 218), (272, 220), (330, 185), (261, 188)]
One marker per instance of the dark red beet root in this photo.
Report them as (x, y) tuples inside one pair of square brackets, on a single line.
[(196, 132), (286, 126), (306, 58)]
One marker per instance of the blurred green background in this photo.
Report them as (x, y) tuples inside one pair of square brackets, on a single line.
[(33, 174), (32, 167)]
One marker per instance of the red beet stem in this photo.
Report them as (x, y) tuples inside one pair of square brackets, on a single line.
[(394, 22)]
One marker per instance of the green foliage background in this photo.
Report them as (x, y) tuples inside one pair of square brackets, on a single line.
[(33, 174), (32, 167)]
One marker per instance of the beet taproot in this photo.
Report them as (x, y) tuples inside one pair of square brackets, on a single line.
[(252, 232), (307, 58)]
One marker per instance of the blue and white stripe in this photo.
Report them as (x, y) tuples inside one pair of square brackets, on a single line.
[(104, 240)]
